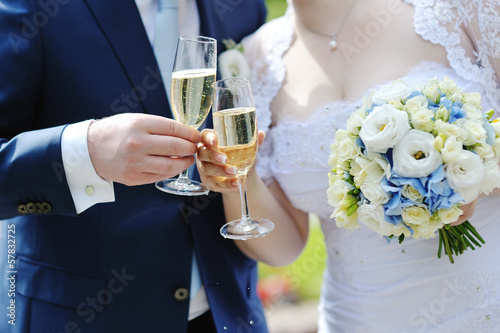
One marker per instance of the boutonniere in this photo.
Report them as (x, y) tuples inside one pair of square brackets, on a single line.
[(232, 62)]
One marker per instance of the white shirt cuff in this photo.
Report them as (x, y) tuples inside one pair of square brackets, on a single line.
[(86, 186)]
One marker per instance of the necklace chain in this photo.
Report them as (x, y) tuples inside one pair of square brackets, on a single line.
[(333, 43)]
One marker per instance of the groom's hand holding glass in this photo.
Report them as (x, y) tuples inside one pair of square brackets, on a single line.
[(136, 148)]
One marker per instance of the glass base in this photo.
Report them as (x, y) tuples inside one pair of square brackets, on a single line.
[(237, 230), (191, 188)]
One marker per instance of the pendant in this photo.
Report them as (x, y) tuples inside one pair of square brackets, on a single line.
[(333, 44)]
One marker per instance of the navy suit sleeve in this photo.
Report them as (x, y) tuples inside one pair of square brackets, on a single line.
[(31, 170)]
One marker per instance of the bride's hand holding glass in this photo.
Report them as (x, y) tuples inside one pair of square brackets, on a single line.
[(212, 164), (235, 126)]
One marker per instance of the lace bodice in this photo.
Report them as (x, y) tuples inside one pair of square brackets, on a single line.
[(440, 22), (415, 291)]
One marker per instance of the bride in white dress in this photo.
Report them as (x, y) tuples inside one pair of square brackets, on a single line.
[(304, 90)]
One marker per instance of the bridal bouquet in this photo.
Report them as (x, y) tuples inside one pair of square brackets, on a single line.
[(410, 158)]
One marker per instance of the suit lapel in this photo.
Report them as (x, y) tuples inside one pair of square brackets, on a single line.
[(121, 23), (211, 21)]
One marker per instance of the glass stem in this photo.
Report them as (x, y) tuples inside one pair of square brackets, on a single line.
[(245, 215), (183, 177), (246, 223)]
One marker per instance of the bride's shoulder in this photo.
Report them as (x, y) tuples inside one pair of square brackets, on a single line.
[(272, 36)]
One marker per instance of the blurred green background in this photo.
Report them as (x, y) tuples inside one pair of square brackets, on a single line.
[(300, 281), (275, 8)]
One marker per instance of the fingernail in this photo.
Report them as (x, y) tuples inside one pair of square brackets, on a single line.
[(231, 170), (222, 159), (211, 139), (237, 183)]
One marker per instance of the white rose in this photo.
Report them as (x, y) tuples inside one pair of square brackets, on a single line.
[(232, 63), (412, 193), (449, 215), (475, 131), (427, 230), (416, 215), (451, 149), (484, 150), (339, 134), (366, 102), (372, 216), (383, 128), (355, 120), (347, 149), (419, 219), (375, 193), (473, 98), (422, 120), (451, 89), (397, 230), (415, 155), (391, 92), (491, 179), (337, 190), (465, 175), (448, 86), (431, 90), (416, 103), (450, 129), (472, 112)]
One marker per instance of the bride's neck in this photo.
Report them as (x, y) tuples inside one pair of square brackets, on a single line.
[(322, 16)]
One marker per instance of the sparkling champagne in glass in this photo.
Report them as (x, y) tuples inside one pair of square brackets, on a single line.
[(191, 98), (236, 128)]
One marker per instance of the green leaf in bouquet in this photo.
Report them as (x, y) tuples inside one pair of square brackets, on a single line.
[(401, 238), (351, 210), (490, 114)]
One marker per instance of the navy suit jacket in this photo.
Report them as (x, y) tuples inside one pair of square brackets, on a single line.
[(122, 266)]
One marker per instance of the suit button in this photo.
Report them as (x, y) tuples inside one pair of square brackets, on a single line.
[(181, 294), (21, 209), (38, 208), (30, 207), (46, 207)]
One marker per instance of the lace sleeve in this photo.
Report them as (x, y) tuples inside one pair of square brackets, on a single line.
[(445, 22), (264, 50)]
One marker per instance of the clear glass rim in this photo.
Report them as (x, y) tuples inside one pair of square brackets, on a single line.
[(235, 82), (202, 39)]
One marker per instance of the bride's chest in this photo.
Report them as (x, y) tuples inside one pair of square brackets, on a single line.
[(304, 144), (315, 74)]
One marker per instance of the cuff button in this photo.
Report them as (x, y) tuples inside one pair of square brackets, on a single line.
[(90, 190)]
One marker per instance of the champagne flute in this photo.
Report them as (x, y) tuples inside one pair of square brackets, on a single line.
[(191, 98), (236, 128)]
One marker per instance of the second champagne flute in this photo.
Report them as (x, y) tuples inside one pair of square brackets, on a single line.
[(191, 98), (236, 129)]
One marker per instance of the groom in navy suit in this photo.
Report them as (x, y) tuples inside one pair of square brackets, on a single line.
[(68, 261)]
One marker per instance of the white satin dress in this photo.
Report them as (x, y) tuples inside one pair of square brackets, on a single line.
[(369, 285)]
